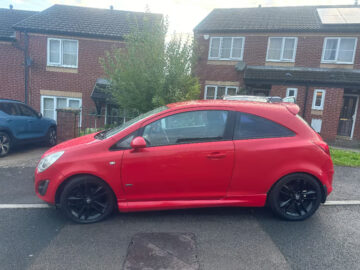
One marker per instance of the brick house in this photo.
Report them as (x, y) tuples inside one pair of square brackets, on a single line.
[(62, 46), (310, 52)]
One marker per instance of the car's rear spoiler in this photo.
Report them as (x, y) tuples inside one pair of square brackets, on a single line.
[(292, 107)]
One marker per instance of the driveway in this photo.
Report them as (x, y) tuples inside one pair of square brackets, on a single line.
[(23, 156)]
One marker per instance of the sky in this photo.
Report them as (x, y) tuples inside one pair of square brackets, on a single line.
[(183, 15)]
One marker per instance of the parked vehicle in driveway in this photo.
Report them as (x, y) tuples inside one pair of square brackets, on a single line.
[(20, 124), (188, 155)]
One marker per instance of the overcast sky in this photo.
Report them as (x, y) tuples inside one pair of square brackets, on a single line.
[(183, 15)]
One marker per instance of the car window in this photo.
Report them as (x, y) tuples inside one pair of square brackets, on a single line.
[(187, 127), (26, 111), (249, 126), (8, 108), (124, 143)]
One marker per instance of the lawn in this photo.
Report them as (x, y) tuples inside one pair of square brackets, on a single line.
[(345, 158)]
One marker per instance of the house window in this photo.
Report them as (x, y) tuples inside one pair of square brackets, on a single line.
[(49, 104), (318, 99), (218, 92), (291, 92), (62, 52), (339, 50), (281, 49), (226, 48)]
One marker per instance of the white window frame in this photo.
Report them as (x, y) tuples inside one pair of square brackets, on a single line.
[(231, 50), (216, 89), (282, 50), (61, 53), (337, 51), (321, 107), (291, 89), (67, 105)]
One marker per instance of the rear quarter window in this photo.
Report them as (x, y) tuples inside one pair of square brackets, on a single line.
[(8, 108), (249, 126)]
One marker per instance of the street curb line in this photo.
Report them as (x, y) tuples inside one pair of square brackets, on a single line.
[(24, 206), (347, 202)]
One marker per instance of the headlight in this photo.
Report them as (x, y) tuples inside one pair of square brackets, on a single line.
[(47, 161)]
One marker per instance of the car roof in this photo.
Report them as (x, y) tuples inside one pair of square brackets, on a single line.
[(235, 104), (10, 100)]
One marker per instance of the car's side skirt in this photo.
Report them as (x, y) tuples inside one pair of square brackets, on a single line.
[(245, 201)]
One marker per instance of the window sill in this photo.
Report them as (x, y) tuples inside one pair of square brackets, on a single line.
[(276, 63), (223, 62), (334, 65), (61, 69), (316, 111)]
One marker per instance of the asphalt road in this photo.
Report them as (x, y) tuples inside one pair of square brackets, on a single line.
[(224, 238)]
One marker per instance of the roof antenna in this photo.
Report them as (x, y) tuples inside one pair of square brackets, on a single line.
[(11, 6), (111, 7)]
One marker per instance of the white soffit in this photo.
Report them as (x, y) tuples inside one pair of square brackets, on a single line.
[(339, 15)]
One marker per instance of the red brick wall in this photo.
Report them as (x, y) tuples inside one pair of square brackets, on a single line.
[(89, 69), (357, 123), (11, 72)]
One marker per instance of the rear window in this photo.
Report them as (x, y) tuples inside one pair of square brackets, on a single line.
[(8, 108), (249, 126)]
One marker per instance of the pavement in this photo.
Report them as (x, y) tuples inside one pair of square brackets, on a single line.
[(214, 238)]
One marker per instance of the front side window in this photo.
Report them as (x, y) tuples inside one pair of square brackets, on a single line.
[(62, 52), (318, 99), (218, 92), (339, 50), (249, 126), (49, 105), (26, 111), (281, 49), (187, 127), (8, 108), (226, 48)]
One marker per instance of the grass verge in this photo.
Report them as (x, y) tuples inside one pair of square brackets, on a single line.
[(345, 158)]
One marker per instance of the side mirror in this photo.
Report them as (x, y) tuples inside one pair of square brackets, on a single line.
[(138, 143), (39, 114)]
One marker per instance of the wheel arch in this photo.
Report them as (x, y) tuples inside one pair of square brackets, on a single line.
[(61, 187), (322, 186)]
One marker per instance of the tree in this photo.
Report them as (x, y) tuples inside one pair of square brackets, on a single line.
[(150, 72)]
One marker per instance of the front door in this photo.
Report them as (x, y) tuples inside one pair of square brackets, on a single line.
[(189, 156), (347, 116)]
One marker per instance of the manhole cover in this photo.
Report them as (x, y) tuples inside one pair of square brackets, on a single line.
[(173, 251)]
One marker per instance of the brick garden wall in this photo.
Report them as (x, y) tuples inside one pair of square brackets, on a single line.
[(67, 124)]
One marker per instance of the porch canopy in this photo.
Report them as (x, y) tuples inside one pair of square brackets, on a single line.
[(302, 76)]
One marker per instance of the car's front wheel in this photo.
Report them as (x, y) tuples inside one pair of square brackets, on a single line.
[(87, 199), (295, 197), (51, 137), (5, 143)]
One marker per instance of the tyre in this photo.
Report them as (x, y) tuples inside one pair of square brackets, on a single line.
[(295, 197), (87, 199), (51, 137), (5, 143)]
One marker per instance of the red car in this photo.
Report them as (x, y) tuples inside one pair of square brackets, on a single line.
[(188, 155)]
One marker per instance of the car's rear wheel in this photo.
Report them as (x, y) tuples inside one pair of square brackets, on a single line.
[(5, 143), (295, 197), (51, 137), (87, 199)]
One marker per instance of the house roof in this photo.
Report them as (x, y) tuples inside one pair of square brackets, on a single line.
[(302, 75), (84, 21), (271, 19), (8, 17)]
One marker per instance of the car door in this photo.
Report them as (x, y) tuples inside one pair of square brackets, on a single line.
[(13, 121), (33, 123), (189, 155)]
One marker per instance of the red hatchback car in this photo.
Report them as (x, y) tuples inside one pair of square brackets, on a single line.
[(188, 155)]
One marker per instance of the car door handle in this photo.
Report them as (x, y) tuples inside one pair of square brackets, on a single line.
[(216, 155)]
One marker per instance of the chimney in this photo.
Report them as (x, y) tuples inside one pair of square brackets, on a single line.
[(111, 7), (259, 6), (356, 2), (11, 6)]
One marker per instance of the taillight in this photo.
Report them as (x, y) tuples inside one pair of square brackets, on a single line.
[(324, 146)]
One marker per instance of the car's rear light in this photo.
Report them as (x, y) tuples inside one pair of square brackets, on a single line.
[(324, 146)]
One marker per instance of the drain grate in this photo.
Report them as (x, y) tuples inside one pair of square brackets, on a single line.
[(175, 251)]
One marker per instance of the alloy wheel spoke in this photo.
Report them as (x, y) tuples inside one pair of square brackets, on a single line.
[(82, 211), (303, 207), (97, 208), (285, 203), (298, 210)]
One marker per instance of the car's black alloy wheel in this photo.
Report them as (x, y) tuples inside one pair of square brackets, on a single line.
[(4, 144), (87, 199), (295, 197), (52, 137)]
